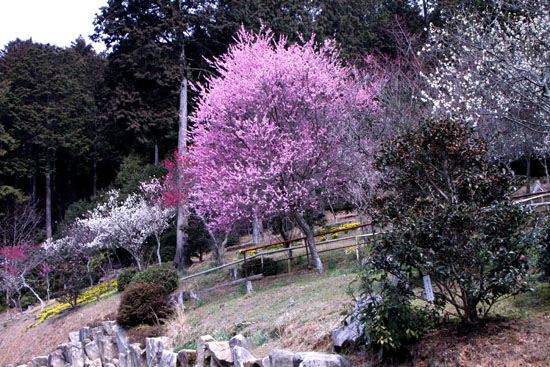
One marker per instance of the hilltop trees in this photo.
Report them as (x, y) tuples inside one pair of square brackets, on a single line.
[(48, 119), (267, 138)]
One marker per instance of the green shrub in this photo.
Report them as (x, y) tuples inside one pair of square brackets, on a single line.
[(388, 318), (165, 275), (451, 217), (27, 300), (254, 266), (143, 303), (125, 278)]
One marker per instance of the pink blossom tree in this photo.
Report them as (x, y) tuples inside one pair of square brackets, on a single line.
[(16, 262), (267, 139)]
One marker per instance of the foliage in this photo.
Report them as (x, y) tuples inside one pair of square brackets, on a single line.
[(165, 275), (266, 141), (125, 278), (126, 224), (143, 303), (68, 275), (451, 218), (51, 116), (269, 267), (198, 239), (492, 71), (133, 171), (96, 293), (543, 255), (388, 319)]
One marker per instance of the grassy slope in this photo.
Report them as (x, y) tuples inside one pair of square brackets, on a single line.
[(298, 311)]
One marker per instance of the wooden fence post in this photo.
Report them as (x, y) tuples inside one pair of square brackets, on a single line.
[(244, 265), (357, 247), (307, 252)]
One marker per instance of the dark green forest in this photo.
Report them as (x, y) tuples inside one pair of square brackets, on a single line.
[(74, 123)]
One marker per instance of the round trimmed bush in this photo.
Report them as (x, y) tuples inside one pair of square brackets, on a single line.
[(165, 275), (125, 278), (143, 303)]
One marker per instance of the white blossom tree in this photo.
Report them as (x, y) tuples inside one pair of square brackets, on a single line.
[(127, 224), (495, 73)]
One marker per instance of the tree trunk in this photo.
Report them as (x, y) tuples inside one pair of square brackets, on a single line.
[(48, 203), (310, 241), (33, 187), (156, 154), (158, 249), (546, 173), (284, 235), (94, 189), (182, 218), (257, 234), (528, 174), (89, 272), (33, 292), (138, 261)]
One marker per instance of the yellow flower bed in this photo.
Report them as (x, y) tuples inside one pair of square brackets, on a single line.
[(92, 294)]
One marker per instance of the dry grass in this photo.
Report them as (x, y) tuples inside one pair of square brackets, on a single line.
[(18, 345), (296, 311)]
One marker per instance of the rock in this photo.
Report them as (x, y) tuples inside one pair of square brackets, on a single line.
[(94, 363), (41, 361), (120, 335), (134, 357), (97, 332), (281, 358), (109, 365), (74, 337), (154, 348), (201, 349), (241, 341), (22, 365), (108, 327), (243, 358), (107, 348), (345, 336), (220, 353), (56, 359), (314, 359), (92, 351), (187, 357), (168, 359), (73, 354), (266, 362), (182, 360), (84, 333)]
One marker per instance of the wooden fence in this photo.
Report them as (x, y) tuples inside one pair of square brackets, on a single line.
[(290, 248)]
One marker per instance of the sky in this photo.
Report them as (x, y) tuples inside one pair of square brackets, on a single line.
[(58, 22)]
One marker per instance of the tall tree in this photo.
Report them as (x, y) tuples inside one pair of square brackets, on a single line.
[(494, 71), (267, 140), (48, 112), (156, 46)]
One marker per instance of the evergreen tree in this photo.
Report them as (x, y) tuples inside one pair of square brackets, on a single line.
[(48, 112)]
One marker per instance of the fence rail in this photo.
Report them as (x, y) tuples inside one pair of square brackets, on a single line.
[(356, 238), (540, 201)]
